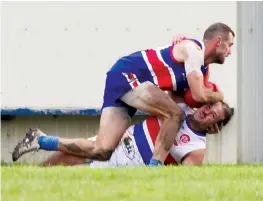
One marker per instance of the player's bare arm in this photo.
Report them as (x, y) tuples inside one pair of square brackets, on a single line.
[(193, 58)]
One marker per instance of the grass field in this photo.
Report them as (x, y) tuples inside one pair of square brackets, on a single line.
[(29, 183)]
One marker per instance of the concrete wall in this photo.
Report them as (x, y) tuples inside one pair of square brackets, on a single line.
[(250, 82), (56, 54)]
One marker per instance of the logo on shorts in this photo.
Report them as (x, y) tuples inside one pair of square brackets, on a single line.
[(128, 147), (185, 138)]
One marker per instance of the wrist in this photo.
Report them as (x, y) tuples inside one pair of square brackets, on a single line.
[(155, 162)]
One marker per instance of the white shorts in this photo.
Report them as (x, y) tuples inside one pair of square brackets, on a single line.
[(126, 153)]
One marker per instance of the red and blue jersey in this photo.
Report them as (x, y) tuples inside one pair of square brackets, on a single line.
[(186, 140), (155, 65), (145, 135)]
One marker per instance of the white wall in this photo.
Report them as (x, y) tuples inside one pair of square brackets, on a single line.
[(61, 51), (57, 54)]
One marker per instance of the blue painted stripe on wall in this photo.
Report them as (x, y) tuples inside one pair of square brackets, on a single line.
[(66, 111)]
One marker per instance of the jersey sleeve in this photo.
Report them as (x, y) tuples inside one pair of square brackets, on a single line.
[(195, 58)]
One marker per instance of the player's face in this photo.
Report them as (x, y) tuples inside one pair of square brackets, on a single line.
[(223, 49), (209, 114)]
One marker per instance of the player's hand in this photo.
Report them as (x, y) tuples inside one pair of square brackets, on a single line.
[(220, 91), (215, 128), (178, 38)]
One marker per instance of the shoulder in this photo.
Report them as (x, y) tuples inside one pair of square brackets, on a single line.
[(193, 46)]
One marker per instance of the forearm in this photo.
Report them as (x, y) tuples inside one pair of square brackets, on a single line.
[(211, 97), (166, 136)]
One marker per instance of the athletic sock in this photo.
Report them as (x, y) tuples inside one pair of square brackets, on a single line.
[(48, 143)]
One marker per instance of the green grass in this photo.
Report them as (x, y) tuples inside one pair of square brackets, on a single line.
[(233, 183)]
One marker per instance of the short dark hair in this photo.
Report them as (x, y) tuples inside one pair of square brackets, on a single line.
[(217, 28), (229, 112)]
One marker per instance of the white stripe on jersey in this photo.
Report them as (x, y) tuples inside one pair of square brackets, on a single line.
[(150, 68), (132, 82), (168, 67), (147, 135)]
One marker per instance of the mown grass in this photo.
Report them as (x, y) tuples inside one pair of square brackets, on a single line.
[(210, 182)]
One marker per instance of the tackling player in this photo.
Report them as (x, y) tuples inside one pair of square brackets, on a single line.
[(138, 81)]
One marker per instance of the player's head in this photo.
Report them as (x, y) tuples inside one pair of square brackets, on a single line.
[(220, 38), (210, 114)]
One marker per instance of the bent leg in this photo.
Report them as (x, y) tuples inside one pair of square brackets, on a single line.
[(114, 121), (148, 98)]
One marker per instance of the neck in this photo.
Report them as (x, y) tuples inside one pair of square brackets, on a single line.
[(195, 125), (208, 57)]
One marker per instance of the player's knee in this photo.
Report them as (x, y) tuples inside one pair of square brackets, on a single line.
[(176, 114), (102, 153)]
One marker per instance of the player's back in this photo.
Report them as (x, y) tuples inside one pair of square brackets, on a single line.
[(158, 66)]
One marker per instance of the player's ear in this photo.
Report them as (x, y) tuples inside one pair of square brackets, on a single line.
[(218, 41)]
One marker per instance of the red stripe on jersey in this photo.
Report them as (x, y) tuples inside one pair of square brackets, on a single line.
[(131, 77), (154, 128), (161, 71)]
